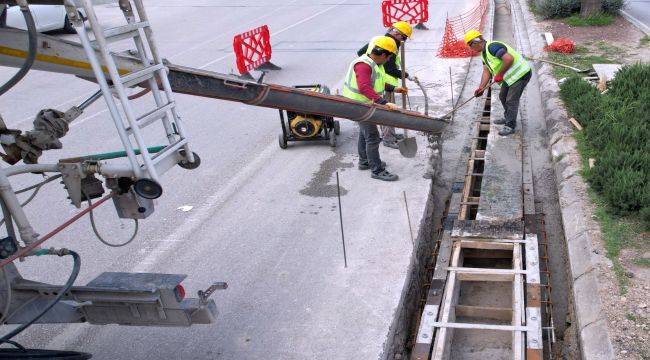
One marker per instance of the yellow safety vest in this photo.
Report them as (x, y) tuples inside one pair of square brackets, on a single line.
[(517, 70), (391, 80), (351, 88)]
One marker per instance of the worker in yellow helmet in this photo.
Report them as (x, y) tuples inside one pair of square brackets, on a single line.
[(365, 83), (400, 31), (505, 66)]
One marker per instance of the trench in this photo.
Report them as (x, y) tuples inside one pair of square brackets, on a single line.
[(560, 339)]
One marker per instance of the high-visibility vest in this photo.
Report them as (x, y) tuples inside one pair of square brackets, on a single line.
[(517, 70), (351, 88), (398, 61)]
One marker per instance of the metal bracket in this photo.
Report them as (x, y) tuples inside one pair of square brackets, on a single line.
[(204, 295)]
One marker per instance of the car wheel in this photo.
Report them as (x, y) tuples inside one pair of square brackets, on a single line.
[(67, 26)]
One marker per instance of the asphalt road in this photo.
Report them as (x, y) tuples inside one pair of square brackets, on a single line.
[(639, 10), (262, 219)]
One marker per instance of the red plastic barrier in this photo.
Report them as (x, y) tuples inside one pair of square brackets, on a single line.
[(411, 11), (561, 45), (252, 48), (453, 44)]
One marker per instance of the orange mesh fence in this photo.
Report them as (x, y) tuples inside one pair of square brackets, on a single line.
[(411, 11), (561, 45), (453, 45)]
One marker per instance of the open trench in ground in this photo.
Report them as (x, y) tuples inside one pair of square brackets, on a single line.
[(459, 141)]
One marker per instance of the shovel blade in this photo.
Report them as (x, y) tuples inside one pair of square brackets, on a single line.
[(408, 147)]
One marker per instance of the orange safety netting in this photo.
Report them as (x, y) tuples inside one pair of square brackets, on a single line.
[(561, 45), (453, 45)]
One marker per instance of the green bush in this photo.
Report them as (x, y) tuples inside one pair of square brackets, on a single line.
[(617, 134), (612, 6), (553, 9)]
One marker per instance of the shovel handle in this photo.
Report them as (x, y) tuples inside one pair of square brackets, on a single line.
[(466, 101), (403, 66)]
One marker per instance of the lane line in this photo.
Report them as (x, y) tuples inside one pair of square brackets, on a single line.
[(275, 33)]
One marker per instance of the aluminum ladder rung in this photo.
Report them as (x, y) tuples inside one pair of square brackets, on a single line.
[(168, 150), (152, 116), (124, 32), (138, 76)]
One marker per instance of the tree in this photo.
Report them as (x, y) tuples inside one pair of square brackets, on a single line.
[(589, 7)]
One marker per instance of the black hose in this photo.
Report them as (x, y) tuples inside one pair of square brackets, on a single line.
[(31, 54), (75, 272)]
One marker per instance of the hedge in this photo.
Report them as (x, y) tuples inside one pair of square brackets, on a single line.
[(617, 133)]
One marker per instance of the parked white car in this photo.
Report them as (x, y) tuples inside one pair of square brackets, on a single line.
[(46, 17)]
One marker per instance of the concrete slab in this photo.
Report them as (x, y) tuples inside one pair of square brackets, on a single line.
[(606, 70), (501, 197)]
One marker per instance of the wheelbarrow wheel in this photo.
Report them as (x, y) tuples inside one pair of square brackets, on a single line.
[(337, 127), (282, 141), (332, 140)]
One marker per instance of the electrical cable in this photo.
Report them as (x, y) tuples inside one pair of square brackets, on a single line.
[(5, 311), (99, 237), (12, 233), (37, 186), (32, 196), (27, 249), (73, 276), (31, 53)]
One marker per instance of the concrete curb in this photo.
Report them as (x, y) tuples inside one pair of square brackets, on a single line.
[(591, 321), (636, 22)]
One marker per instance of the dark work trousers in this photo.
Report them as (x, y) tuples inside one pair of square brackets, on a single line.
[(510, 95), (388, 132), (368, 146)]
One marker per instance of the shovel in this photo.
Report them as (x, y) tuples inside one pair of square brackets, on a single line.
[(465, 102), (408, 146)]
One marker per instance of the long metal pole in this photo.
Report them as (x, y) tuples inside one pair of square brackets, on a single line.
[(408, 218), (451, 87), (338, 191)]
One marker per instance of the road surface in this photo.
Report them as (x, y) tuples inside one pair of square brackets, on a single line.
[(262, 219)]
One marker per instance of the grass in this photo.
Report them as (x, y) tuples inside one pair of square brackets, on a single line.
[(598, 19), (644, 41), (583, 57), (630, 317), (616, 235), (642, 262), (618, 232), (576, 60)]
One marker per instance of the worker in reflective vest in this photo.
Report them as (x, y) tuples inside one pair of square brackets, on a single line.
[(365, 82), (400, 31), (506, 66)]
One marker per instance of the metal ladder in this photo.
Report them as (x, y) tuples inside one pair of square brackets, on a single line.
[(153, 73)]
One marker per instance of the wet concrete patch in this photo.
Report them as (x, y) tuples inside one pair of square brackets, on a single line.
[(323, 181)]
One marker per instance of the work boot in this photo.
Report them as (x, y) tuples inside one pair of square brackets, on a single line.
[(391, 144), (385, 176), (365, 165), (499, 121), (507, 130)]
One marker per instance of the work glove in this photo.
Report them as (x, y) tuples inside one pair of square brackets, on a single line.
[(401, 90), (478, 92), (498, 78), (392, 106)]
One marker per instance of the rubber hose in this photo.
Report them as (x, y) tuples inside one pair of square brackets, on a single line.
[(75, 272), (31, 54)]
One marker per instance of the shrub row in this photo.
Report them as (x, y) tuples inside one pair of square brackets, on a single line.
[(551, 9), (617, 134)]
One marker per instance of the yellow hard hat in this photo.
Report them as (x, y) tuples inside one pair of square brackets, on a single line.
[(387, 43), (403, 27), (471, 35)]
